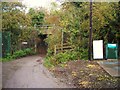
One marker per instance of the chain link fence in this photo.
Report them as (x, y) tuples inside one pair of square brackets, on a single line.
[(6, 43)]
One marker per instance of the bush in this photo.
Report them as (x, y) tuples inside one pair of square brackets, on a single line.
[(60, 58), (49, 52), (49, 62), (29, 51), (19, 54), (8, 56), (83, 53)]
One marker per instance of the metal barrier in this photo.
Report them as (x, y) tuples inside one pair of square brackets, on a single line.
[(6, 43)]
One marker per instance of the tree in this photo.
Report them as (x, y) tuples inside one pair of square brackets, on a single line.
[(52, 19), (14, 20), (74, 21), (37, 16)]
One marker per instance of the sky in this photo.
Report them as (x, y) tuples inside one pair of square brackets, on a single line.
[(47, 3), (39, 3)]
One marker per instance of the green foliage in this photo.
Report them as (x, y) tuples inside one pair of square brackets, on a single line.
[(74, 22), (16, 21), (54, 39), (8, 56), (60, 58), (83, 54), (49, 53), (75, 19), (49, 61), (18, 54), (37, 16)]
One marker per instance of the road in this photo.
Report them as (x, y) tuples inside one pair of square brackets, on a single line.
[(28, 72)]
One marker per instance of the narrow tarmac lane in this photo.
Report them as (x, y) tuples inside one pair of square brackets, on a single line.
[(28, 72)]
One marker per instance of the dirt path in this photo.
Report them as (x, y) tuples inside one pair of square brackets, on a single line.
[(28, 72)]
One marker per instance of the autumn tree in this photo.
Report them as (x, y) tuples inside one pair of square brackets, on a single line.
[(15, 21), (74, 22)]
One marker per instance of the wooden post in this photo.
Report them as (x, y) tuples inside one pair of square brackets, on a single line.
[(90, 33)]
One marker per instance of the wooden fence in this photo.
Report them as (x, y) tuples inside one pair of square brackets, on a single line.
[(62, 48)]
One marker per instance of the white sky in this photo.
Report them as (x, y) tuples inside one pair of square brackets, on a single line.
[(38, 3)]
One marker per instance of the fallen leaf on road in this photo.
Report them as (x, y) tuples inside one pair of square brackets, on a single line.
[(74, 73), (90, 66), (84, 83)]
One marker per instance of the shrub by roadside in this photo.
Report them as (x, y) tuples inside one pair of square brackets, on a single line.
[(18, 54), (60, 58)]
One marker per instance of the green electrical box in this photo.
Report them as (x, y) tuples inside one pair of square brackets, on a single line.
[(111, 51)]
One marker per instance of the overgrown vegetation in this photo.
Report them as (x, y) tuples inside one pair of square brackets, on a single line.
[(73, 20), (61, 58), (69, 24), (19, 54), (19, 25)]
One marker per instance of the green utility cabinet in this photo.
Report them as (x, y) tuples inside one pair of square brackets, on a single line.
[(111, 51)]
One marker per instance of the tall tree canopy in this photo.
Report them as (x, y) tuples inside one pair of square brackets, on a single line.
[(16, 21), (37, 16), (74, 21)]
